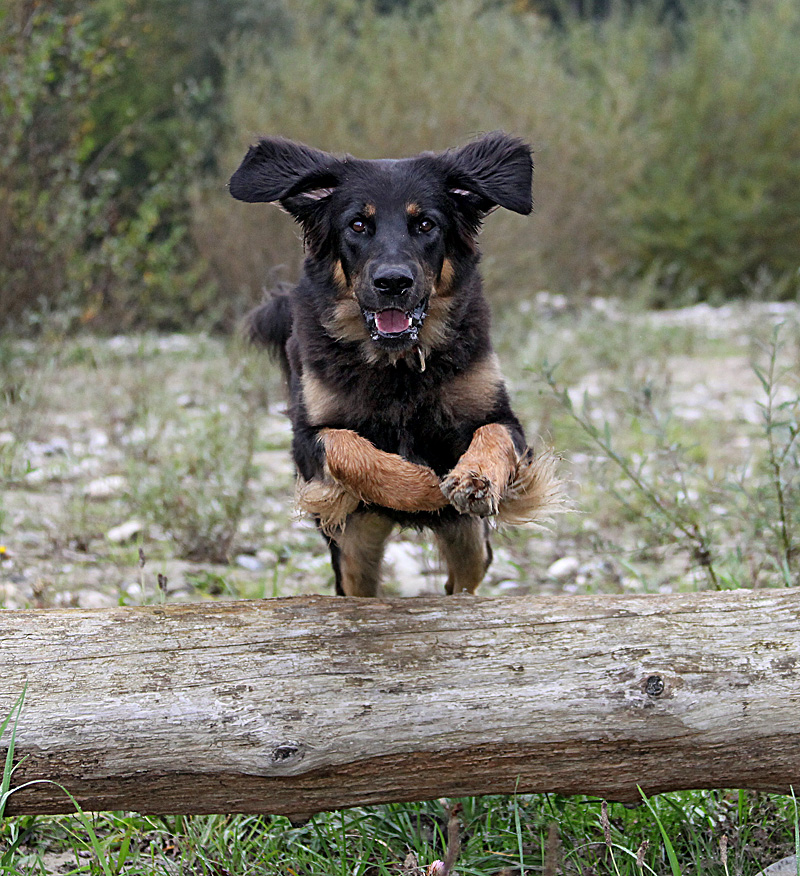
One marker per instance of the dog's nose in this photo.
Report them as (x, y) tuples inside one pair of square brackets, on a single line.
[(393, 279)]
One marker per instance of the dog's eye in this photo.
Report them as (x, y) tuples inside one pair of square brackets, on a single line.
[(425, 226), (359, 226)]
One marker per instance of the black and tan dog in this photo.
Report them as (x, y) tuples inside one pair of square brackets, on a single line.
[(398, 407)]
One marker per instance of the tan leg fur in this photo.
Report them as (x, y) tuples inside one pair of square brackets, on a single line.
[(477, 483), (361, 544), (465, 550)]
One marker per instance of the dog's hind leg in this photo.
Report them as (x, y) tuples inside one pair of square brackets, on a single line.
[(357, 551), (464, 545)]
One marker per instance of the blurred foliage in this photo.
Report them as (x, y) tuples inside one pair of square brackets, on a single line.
[(50, 66), (716, 210), (666, 148), (666, 142), (108, 115)]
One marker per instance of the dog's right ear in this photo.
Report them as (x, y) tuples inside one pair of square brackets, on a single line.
[(301, 179)]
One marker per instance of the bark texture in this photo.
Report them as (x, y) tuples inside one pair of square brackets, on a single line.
[(294, 706)]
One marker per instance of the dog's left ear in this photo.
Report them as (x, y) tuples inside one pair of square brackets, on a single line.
[(495, 170)]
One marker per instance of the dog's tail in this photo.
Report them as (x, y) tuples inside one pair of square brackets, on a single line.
[(270, 325)]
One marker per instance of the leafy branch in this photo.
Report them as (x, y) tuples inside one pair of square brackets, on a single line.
[(680, 518)]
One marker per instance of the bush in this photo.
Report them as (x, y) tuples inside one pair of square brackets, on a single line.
[(49, 66), (662, 149), (716, 210), (73, 235)]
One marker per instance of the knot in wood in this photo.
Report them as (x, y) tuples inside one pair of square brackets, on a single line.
[(287, 753), (654, 686)]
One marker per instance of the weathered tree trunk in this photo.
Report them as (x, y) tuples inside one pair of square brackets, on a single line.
[(298, 705)]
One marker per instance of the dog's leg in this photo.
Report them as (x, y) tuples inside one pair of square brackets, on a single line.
[(477, 483), (379, 477), (464, 545), (356, 553)]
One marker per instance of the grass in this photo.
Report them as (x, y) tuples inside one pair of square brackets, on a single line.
[(677, 833), (680, 436)]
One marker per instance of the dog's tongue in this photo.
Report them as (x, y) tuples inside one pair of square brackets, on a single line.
[(392, 321)]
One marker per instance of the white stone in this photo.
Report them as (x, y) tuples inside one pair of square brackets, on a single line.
[(98, 440), (251, 564), (564, 569), (7, 591), (125, 531), (784, 867), (106, 487), (404, 565), (95, 599)]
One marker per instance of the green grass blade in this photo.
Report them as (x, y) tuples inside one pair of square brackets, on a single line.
[(8, 767), (796, 835), (673, 858)]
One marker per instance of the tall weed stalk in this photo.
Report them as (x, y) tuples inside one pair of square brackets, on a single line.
[(780, 411), (688, 525)]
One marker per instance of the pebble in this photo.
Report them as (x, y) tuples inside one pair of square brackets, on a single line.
[(7, 591), (125, 532), (95, 599), (54, 447), (106, 487), (564, 569), (267, 557), (38, 476), (784, 867), (250, 563), (405, 563), (98, 440)]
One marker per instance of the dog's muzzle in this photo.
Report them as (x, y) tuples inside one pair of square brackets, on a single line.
[(396, 324), (394, 305)]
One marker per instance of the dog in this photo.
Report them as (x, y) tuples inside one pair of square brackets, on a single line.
[(399, 410)]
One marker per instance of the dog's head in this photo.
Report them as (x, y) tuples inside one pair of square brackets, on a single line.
[(392, 233)]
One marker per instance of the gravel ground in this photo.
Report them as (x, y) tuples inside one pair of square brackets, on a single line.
[(118, 454)]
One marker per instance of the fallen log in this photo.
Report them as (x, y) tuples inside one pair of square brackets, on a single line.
[(294, 706)]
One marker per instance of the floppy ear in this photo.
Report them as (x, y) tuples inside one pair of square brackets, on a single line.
[(300, 178), (494, 170)]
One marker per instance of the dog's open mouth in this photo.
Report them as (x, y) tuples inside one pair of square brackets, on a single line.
[(393, 323)]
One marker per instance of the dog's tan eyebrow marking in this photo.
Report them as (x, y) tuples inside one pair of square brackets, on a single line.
[(369, 210), (413, 209)]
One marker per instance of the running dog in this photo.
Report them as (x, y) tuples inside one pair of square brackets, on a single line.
[(399, 411)]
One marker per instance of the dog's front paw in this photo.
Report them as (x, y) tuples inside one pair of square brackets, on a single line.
[(471, 493)]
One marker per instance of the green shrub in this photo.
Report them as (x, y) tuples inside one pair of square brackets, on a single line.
[(48, 65), (74, 236), (716, 209), (665, 151), (394, 85), (662, 150)]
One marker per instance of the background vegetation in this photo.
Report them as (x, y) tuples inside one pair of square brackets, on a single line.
[(668, 162)]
